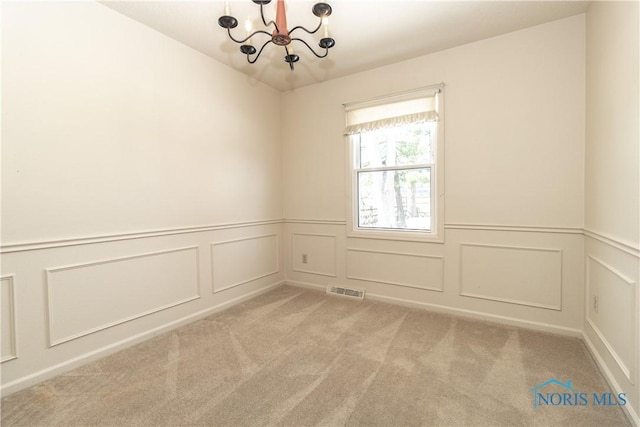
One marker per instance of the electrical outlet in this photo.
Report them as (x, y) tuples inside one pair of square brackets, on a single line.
[(304, 258), (595, 303)]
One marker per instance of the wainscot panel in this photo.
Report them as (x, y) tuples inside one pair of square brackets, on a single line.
[(514, 274), (314, 253), (9, 350), (396, 268), (86, 298), (611, 312), (239, 261)]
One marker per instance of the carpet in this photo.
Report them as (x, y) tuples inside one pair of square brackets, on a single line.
[(297, 357)]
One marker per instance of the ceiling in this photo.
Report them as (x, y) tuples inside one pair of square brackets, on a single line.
[(368, 33)]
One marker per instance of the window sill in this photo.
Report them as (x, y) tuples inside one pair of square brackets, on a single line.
[(406, 236)]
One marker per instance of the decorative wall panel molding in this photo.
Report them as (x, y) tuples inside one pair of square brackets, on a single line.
[(318, 251), (512, 274), (627, 247), (240, 261), (315, 221), (86, 298), (612, 313), (520, 228), (396, 268), (47, 244), (9, 330)]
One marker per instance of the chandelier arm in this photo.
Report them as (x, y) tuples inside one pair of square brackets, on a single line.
[(308, 31), (264, 21), (277, 37), (248, 37), (255, 58), (326, 50)]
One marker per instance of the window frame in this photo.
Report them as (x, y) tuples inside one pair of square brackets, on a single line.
[(436, 234)]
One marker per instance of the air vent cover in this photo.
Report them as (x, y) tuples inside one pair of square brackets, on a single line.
[(345, 292)]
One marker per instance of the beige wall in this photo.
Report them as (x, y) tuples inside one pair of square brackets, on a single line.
[(112, 128), (134, 189), (612, 193), (514, 183), (514, 108), (611, 169)]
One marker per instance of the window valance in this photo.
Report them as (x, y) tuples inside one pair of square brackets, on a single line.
[(382, 113)]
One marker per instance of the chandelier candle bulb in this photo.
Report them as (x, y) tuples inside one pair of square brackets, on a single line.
[(227, 11), (247, 26), (325, 23)]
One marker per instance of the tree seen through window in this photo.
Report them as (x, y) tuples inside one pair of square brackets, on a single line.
[(394, 167)]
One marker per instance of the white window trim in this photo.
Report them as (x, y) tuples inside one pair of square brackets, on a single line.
[(436, 235)]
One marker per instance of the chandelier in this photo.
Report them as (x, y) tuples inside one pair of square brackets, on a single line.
[(280, 36)]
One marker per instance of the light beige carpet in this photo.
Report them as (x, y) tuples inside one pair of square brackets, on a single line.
[(297, 357)]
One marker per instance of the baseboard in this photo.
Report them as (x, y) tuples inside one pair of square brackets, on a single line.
[(606, 372), (45, 374), (305, 285), (502, 320)]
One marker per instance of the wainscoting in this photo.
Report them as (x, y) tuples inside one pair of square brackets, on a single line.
[(611, 316), (567, 281), (526, 276), (259, 256), (315, 253), (107, 293), (8, 300), (513, 274), (67, 302), (411, 270), (611, 299)]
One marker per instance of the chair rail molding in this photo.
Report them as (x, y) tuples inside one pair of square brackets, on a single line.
[(315, 221), (625, 246), (508, 227), (86, 240)]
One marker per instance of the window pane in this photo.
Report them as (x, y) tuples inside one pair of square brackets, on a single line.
[(397, 146), (395, 199)]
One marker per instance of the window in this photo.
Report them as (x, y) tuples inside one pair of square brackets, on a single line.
[(396, 166)]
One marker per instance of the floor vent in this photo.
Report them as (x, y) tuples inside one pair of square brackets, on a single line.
[(345, 292)]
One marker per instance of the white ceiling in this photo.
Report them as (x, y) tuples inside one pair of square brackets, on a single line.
[(368, 33)]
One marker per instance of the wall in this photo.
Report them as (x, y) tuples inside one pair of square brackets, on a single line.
[(612, 194), (514, 183), (134, 191)]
